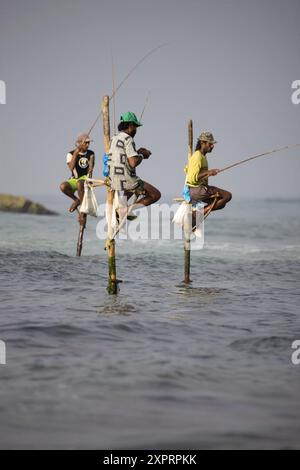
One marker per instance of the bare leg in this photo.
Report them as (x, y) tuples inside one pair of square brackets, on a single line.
[(151, 196), (223, 199), (67, 190), (80, 190), (128, 194)]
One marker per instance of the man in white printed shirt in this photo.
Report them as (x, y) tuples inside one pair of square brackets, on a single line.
[(123, 158)]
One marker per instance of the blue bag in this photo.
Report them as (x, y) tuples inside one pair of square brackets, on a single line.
[(186, 193), (105, 160)]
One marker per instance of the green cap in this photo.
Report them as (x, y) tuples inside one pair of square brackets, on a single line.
[(130, 117), (207, 137)]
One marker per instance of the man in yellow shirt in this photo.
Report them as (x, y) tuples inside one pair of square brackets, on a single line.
[(197, 175)]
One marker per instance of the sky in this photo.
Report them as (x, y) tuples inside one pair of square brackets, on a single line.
[(228, 65)]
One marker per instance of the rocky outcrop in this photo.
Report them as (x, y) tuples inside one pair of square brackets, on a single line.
[(19, 204)]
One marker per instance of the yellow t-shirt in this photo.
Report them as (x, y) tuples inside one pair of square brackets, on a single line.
[(197, 163)]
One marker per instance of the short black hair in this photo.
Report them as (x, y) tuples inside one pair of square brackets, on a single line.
[(198, 145), (124, 125)]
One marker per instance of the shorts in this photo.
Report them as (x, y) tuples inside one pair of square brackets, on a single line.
[(139, 190), (73, 182), (202, 193)]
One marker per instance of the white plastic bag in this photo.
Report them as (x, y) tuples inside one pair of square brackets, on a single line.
[(115, 208), (198, 208), (183, 217), (181, 213), (89, 204), (110, 211)]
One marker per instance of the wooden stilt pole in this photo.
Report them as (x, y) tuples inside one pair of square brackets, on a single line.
[(190, 139), (187, 258), (112, 287), (187, 228), (82, 225)]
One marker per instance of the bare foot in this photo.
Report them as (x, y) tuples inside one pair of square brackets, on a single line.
[(130, 217), (74, 206)]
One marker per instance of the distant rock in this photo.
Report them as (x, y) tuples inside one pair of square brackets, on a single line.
[(19, 204)]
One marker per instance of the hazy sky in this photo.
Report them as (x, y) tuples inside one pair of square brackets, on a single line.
[(228, 65)]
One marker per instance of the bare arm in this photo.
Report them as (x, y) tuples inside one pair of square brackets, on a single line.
[(136, 160), (72, 163), (206, 174), (91, 166)]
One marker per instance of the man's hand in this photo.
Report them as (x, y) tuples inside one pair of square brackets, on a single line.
[(77, 151), (80, 147), (213, 172), (142, 151)]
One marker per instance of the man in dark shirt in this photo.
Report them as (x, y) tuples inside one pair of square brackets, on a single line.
[(81, 163)]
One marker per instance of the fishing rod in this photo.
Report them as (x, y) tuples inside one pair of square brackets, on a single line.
[(259, 155), (145, 106), (114, 87), (124, 80)]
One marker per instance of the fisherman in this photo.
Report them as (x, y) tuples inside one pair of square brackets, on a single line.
[(81, 162), (197, 174), (123, 158)]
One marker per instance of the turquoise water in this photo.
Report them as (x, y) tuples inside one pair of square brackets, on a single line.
[(161, 365)]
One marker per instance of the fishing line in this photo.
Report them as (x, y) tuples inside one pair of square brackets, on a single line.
[(125, 78)]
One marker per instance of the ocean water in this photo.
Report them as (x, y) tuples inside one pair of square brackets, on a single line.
[(161, 365)]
